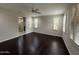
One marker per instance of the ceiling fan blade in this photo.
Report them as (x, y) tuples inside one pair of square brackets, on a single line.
[(38, 12), (37, 9)]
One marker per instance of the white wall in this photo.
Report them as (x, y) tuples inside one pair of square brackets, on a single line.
[(45, 26), (9, 24), (71, 46)]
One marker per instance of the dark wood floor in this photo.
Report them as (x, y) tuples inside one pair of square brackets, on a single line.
[(34, 44)]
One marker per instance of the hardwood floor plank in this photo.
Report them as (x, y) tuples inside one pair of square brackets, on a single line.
[(34, 44)]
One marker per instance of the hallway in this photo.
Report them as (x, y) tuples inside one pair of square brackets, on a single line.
[(34, 44)]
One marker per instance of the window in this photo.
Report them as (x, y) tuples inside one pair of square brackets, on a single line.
[(35, 22), (64, 22), (56, 23), (30, 23)]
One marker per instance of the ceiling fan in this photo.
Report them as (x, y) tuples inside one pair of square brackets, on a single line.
[(35, 11)]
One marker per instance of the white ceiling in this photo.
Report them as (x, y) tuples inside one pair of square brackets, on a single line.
[(45, 8)]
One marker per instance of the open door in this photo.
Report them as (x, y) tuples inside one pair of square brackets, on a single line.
[(21, 24)]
